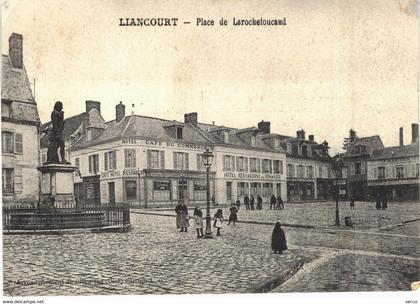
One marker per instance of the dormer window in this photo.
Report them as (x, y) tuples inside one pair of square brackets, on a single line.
[(253, 141), (5, 109), (179, 133), (304, 150), (226, 137), (289, 148)]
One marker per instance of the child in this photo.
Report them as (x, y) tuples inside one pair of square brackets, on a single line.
[(278, 239), (233, 217), (218, 221), (198, 217)]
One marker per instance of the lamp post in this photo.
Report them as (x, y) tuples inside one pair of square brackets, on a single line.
[(207, 161), (337, 165)]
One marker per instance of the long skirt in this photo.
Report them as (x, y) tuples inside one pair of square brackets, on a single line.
[(198, 222), (181, 221)]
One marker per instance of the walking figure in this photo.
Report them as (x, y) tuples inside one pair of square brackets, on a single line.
[(384, 202), (280, 204), (278, 239), (218, 221), (259, 202), (352, 203), (233, 217), (378, 201), (238, 203), (273, 202), (252, 202), (198, 217), (246, 202)]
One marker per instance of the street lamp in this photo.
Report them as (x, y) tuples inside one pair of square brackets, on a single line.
[(337, 165), (207, 161)]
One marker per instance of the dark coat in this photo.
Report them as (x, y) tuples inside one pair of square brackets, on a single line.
[(233, 214), (273, 199), (278, 239), (246, 199)]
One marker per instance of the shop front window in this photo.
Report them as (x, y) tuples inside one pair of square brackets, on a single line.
[(131, 189), (161, 190), (267, 189), (8, 182), (200, 190)]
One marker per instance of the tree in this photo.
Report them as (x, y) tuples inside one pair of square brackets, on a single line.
[(348, 141)]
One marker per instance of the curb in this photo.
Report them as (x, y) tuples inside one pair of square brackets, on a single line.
[(244, 222), (272, 283)]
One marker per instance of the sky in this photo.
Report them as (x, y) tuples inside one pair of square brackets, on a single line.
[(336, 65)]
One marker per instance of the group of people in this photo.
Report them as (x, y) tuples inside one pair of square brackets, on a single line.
[(276, 203), (381, 201)]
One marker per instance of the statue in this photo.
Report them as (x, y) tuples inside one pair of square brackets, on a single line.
[(56, 136)]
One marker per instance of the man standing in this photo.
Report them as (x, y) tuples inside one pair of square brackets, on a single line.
[(273, 202), (280, 204), (246, 202), (259, 202), (252, 201)]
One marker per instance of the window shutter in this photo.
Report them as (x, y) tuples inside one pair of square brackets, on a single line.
[(134, 157), (162, 159), (114, 160), (186, 161), (246, 164), (106, 161), (258, 165), (18, 143), (126, 158), (175, 160), (352, 169), (363, 168), (224, 162), (375, 173), (149, 159), (18, 180), (237, 163), (96, 158), (232, 163)]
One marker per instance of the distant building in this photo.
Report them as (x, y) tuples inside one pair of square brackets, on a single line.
[(19, 128), (355, 160), (394, 171)]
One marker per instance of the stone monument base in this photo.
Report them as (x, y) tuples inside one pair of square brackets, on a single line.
[(57, 182)]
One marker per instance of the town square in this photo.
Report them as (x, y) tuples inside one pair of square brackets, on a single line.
[(159, 160)]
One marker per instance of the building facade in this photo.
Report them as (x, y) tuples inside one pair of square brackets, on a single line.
[(394, 171), (20, 126)]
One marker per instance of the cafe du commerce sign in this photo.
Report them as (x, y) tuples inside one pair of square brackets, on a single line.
[(244, 175), (162, 144)]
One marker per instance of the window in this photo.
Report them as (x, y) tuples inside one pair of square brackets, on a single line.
[(320, 172), (181, 161), (290, 170), (300, 171), (229, 191), (242, 188), (130, 158), (161, 190), (267, 168), (7, 142), (253, 165), (200, 165), (400, 172), (18, 143), (76, 162), (228, 163), (289, 148), (5, 109), (381, 172), (130, 189), (255, 189), (267, 189), (155, 159), (110, 160), (310, 172), (94, 163), (226, 137), (357, 168), (304, 150), (8, 180), (43, 158), (253, 141), (179, 132), (278, 167), (200, 190), (242, 164)]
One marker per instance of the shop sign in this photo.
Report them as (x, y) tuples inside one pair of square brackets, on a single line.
[(261, 176), (119, 173)]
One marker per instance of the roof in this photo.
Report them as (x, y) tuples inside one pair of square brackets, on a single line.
[(396, 152), (373, 143), (71, 124), (143, 127), (16, 90)]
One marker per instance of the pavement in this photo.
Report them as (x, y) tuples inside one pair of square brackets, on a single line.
[(155, 258)]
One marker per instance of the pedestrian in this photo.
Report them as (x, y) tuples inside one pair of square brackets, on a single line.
[(218, 221), (378, 201), (233, 217), (252, 202), (259, 202), (246, 201), (213, 200), (273, 202), (280, 204), (238, 203), (182, 216), (198, 217), (278, 239), (352, 203), (384, 203)]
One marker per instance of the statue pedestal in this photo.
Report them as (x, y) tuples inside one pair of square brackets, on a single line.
[(57, 182)]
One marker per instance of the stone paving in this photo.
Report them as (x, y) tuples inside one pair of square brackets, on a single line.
[(155, 258)]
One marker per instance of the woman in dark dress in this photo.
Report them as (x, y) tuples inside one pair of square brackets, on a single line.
[(252, 202), (233, 217), (181, 216), (278, 239)]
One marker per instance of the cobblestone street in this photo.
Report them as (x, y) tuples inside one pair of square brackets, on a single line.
[(155, 258)]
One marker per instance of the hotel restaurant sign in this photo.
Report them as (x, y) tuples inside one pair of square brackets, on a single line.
[(259, 176)]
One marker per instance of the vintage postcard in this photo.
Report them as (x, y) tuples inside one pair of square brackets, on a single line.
[(212, 147)]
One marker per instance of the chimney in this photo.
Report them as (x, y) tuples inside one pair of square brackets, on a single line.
[(401, 137), (119, 112), (91, 104), (190, 118), (15, 50), (414, 132), (311, 138), (300, 134), (264, 126)]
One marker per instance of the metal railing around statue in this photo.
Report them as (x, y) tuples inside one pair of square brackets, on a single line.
[(27, 217)]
